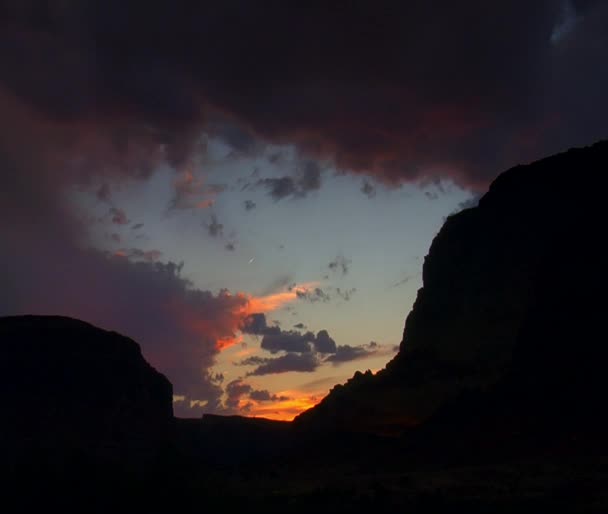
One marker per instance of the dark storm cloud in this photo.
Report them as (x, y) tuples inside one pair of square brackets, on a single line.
[(400, 90), (395, 89)]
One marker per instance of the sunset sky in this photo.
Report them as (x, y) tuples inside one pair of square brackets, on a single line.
[(248, 189)]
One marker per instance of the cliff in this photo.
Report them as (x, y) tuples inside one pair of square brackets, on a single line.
[(69, 388), (485, 285)]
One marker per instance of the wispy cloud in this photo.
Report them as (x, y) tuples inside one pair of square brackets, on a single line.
[(340, 265)]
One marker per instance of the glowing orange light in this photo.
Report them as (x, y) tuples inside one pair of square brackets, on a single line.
[(227, 342), (275, 301), (284, 410)]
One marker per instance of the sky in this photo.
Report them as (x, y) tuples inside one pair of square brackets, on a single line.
[(248, 189)]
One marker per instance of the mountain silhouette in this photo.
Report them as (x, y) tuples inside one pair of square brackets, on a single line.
[(511, 294), (71, 387)]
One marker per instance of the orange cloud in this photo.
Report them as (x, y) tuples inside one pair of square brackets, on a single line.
[(224, 324), (226, 342), (275, 301)]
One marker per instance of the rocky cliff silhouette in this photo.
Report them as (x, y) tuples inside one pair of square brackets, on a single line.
[(71, 388), (511, 296)]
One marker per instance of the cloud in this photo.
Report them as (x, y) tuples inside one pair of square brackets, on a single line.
[(323, 343), (215, 228), (400, 91), (307, 179), (303, 363), (255, 323), (139, 254), (279, 188), (300, 326), (340, 264), (313, 295), (346, 294), (241, 140), (234, 391), (566, 22), (468, 204), (303, 351), (280, 282), (249, 205), (276, 340), (137, 226), (178, 326), (118, 216), (347, 353), (263, 395), (191, 192), (104, 194), (368, 189), (403, 281), (287, 341), (240, 398)]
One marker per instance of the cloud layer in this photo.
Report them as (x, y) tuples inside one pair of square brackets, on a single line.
[(300, 351), (397, 90)]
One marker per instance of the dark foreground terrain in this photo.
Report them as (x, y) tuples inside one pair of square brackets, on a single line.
[(495, 403)]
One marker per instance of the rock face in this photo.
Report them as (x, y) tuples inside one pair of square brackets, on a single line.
[(69, 387), (509, 294)]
